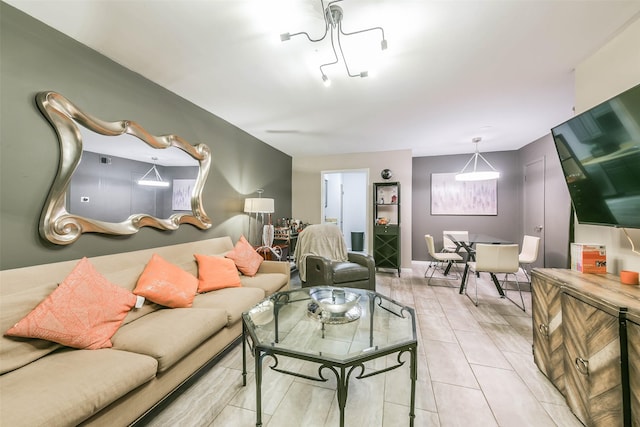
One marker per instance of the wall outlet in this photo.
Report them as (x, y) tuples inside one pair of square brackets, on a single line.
[(84, 199)]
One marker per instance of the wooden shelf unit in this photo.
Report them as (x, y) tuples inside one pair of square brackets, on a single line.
[(386, 229)]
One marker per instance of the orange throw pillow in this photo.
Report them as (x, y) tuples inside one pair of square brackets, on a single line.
[(246, 258), (166, 284), (216, 272), (83, 312)]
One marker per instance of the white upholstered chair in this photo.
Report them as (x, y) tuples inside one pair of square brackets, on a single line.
[(449, 245), (528, 254), (496, 259), (444, 260)]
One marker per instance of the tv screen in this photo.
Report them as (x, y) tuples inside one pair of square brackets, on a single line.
[(600, 155)]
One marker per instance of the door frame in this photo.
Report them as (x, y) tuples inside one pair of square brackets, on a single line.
[(529, 202), (361, 220)]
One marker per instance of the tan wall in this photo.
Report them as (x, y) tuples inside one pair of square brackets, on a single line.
[(306, 187), (611, 70)]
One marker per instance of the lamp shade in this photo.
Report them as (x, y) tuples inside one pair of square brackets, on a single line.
[(259, 205)]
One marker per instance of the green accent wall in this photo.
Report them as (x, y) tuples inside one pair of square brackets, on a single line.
[(35, 58)]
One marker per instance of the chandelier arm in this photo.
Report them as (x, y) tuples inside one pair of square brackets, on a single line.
[(346, 65), (475, 156), (145, 175), (362, 31), (486, 161), (157, 173), (335, 55), (326, 30)]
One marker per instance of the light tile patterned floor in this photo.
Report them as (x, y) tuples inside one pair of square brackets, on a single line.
[(475, 368)]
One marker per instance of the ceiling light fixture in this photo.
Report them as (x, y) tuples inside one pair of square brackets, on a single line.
[(158, 182), (333, 24), (477, 175)]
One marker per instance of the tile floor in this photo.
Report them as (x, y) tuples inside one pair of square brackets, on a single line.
[(475, 368)]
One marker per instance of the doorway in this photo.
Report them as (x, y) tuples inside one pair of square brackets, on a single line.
[(344, 203)]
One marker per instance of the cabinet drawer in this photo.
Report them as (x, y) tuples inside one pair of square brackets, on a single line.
[(387, 229)]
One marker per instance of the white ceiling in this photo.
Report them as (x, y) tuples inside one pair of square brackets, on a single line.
[(502, 70)]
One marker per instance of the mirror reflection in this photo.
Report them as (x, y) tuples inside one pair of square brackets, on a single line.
[(115, 177), (107, 185)]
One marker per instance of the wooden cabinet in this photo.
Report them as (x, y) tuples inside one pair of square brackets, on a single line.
[(547, 331), (593, 380), (633, 356), (593, 322), (386, 231)]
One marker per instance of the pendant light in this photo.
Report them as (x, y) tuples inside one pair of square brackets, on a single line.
[(477, 175), (157, 182)]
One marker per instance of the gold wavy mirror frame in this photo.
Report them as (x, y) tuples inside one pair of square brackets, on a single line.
[(60, 226)]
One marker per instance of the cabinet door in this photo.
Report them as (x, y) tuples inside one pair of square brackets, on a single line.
[(386, 244), (592, 371), (633, 343), (547, 331)]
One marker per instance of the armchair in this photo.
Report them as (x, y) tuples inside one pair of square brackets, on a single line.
[(322, 260)]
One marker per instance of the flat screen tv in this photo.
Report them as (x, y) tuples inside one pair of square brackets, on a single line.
[(600, 155)]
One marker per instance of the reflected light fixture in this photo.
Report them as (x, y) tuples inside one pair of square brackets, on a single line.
[(477, 175), (333, 25), (157, 182)]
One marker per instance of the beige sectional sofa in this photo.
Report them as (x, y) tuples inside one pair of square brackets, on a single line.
[(154, 351)]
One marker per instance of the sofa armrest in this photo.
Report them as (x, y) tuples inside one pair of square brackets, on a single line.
[(275, 267), (282, 267), (367, 261), (319, 271)]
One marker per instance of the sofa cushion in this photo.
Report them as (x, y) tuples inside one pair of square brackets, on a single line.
[(268, 282), (14, 351), (166, 284), (83, 312), (246, 258), (69, 385), (216, 272), (168, 335), (233, 300), (344, 272)]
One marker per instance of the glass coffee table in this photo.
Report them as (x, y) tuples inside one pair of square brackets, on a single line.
[(339, 329)]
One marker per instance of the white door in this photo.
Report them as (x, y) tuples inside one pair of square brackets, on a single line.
[(534, 204)]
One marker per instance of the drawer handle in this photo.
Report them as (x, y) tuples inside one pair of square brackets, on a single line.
[(544, 329), (582, 366)]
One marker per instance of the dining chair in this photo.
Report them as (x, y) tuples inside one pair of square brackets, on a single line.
[(448, 245), (496, 259), (529, 254), (440, 259)]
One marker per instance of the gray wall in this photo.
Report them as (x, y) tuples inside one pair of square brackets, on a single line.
[(36, 58), (506, 225), (557, 203)]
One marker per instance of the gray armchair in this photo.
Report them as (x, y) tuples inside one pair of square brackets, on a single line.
[(322, 259), (358, 272)]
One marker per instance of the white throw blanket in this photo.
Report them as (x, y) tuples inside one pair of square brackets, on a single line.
[(320, 239)]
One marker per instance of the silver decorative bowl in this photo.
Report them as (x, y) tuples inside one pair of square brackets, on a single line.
[(335, 301)]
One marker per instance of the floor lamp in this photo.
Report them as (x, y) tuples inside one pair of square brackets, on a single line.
[(261, 206)]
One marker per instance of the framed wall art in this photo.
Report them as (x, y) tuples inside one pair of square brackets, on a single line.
[(451, 197), (182, 191)]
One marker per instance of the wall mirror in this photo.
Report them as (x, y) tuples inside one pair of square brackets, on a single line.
[(115, 177)]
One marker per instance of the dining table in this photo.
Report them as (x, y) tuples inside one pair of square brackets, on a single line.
[(469, 248)]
